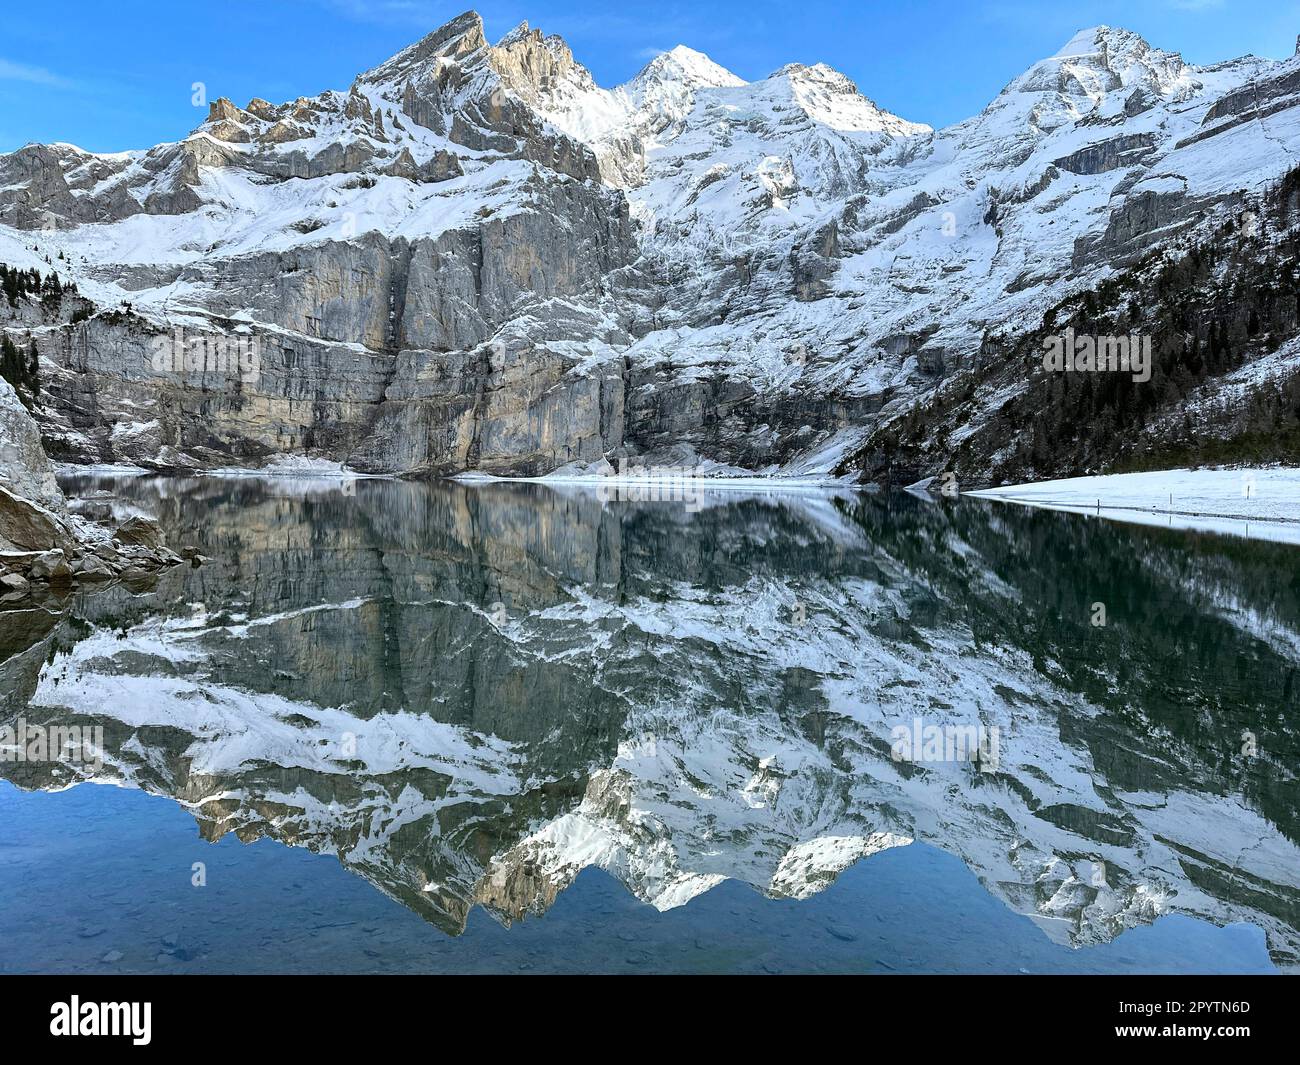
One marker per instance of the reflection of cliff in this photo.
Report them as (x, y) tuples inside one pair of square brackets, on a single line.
[(469, 694)]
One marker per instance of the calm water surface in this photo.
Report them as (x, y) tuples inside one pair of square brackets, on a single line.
[(410, 727)]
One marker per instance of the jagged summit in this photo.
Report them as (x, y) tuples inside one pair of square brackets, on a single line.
[(1102, 60), (519, 33), (1097, 39), (452, 40)]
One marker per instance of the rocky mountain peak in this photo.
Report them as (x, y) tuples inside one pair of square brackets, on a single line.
[(1128, 57), (454, 40), (535, 65), (526, 61), (1100, 66), (519, 33), (661, 96), (1096, 40), (832, 99)]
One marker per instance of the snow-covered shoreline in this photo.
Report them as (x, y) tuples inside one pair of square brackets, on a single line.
[(294, 469), (287, 467), (703, 483), (1261, 504)]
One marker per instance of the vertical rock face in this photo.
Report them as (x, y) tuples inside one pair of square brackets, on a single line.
[(25, 470), (478, 259)]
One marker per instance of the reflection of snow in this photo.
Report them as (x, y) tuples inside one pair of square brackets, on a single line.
[(753, 743)]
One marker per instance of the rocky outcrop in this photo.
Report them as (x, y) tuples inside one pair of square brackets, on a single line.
[(25, 526), (1108, 155), (41, 541), (25, 470)]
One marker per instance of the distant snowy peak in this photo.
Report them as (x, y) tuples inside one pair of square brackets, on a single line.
[(1104, 69), (660, 98), (668, 83), (830, 98), (682, 66), (1123, 58)]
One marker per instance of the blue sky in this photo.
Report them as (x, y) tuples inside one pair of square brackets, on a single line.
[(114, 76)]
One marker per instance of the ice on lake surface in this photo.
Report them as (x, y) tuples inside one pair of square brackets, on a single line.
[(504, 727)]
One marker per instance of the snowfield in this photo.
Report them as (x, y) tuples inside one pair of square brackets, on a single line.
[(1260, 503)]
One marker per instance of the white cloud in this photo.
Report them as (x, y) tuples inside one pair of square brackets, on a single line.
[(10, 71)]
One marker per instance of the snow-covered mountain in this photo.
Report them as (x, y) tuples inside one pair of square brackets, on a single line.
[(476, 258)]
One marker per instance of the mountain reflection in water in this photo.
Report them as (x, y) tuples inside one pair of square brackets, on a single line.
[(470, 694)]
